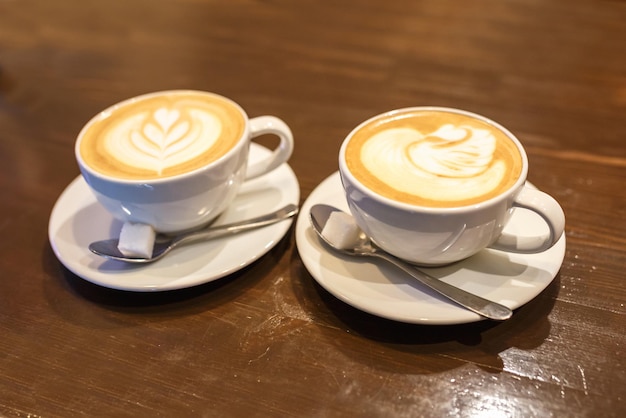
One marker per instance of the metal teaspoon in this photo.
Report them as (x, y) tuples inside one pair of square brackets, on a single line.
[(108, 248), (364, 247)]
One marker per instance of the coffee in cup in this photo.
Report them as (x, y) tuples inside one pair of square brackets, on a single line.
[(162, 135), (433, 158), (174, 159), (436, 185)]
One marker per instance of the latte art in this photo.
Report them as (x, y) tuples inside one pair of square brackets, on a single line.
[(156, 140), (161, 136), (451, 151), (433, 159), (435, 166)]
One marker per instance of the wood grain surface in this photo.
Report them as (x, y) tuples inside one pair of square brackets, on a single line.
[(267, 340)]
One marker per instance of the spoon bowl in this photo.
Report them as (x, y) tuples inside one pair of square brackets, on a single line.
[(359, 245)]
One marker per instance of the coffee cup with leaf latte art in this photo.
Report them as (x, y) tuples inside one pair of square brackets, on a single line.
[(436, 185), (174, 159)]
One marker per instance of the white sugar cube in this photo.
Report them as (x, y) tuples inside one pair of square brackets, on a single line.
[(341, 230), (136, 240)]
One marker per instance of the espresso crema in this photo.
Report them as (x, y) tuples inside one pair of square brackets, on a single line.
[(161, 135), (433, 158)]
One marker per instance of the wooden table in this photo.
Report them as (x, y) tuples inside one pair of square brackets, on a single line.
[(268, 340)]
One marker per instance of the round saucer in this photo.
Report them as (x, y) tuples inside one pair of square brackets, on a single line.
[(78, 219), (374, 287)]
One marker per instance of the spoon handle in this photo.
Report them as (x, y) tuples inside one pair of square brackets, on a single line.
[(230, 229), (474, 303)]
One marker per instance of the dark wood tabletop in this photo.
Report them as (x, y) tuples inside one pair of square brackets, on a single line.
[(268, 340)]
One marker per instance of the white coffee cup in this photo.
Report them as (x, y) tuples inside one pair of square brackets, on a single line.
[(174, 159), (406, 187)]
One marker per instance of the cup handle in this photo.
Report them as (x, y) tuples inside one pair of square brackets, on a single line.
[(545, 206), (270, 125)]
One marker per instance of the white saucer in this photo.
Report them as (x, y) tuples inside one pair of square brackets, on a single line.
[(78, 219), (374, 287)]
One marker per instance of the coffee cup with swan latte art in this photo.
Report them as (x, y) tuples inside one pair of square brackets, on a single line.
[(174, 159), (436, 185)]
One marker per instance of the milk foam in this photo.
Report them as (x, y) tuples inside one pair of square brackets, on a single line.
[(453, 163), (155, 140)]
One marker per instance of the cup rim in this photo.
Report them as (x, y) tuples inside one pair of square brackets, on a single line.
[(504, 195), (104, 113)]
